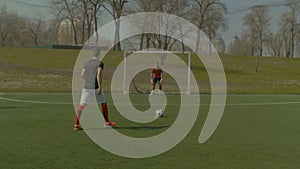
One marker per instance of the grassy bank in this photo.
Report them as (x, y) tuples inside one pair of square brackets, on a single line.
[(49, 70)]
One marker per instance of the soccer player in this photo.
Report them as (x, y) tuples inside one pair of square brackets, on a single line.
[(92, 74), (156, 77)]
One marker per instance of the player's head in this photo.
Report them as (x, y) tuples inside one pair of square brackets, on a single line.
[(96, 52), (156, 64)]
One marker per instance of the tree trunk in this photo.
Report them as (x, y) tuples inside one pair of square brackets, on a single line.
[(292, 42), (260, 44), (96, 27), (74, 32), (36, 41), (148, 41), (83, 31), (117, 45), (142, 41), (252, 47), (166, 43)]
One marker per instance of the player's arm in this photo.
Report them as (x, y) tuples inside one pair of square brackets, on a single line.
[(99, 80), (82, 73), (152, 73), (161, 76), (151, 76)]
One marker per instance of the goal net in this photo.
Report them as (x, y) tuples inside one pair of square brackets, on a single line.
[(176, 71)]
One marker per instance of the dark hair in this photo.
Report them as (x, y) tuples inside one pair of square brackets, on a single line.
[(97, 52)]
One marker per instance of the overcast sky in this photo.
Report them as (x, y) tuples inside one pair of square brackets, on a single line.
[(234, 19)]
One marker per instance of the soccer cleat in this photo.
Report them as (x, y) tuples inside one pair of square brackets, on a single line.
[(109, 124), (112, 124), (152, 92), (106, 125), (77, 127)]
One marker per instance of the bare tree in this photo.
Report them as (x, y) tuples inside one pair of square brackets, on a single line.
[(12, 27), (258, 22), (240, 46), (180, 8), (149, 6), (117, 10), (251, 37), (4, 30), (209, 16), (176, 7), (86, 20), (90, 10), (82, 14), (96, 5), (289, 27), (19, 31), (37, 30), (285, 32), (275, 43), (70, 10), (50, 34)]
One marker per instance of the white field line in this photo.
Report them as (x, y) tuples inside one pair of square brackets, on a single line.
[(170, 94), (124, 104), (35, 94), (33, 101)]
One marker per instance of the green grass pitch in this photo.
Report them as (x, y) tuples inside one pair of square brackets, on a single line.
[(256, 132)]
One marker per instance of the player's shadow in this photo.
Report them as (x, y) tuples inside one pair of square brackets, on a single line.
[(142, 127), (132, 128)]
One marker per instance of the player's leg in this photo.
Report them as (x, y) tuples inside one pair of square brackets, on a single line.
[(154, 83), (160, 84), (77, 125), (101, 99), (78, 113), (85, 97)]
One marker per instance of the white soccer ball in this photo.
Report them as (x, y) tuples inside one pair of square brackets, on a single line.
[(159, 113)]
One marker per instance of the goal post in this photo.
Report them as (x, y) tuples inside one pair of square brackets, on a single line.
[(169, 60)]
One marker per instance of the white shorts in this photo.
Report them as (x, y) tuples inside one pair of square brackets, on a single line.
[(88, 94)]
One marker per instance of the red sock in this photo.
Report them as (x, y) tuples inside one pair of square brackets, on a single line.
[(105, 111), (78, 113)]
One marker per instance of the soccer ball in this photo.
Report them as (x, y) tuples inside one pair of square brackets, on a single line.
[(159, 113)]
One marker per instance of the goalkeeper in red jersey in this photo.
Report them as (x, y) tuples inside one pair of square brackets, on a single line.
[(156, 77)]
